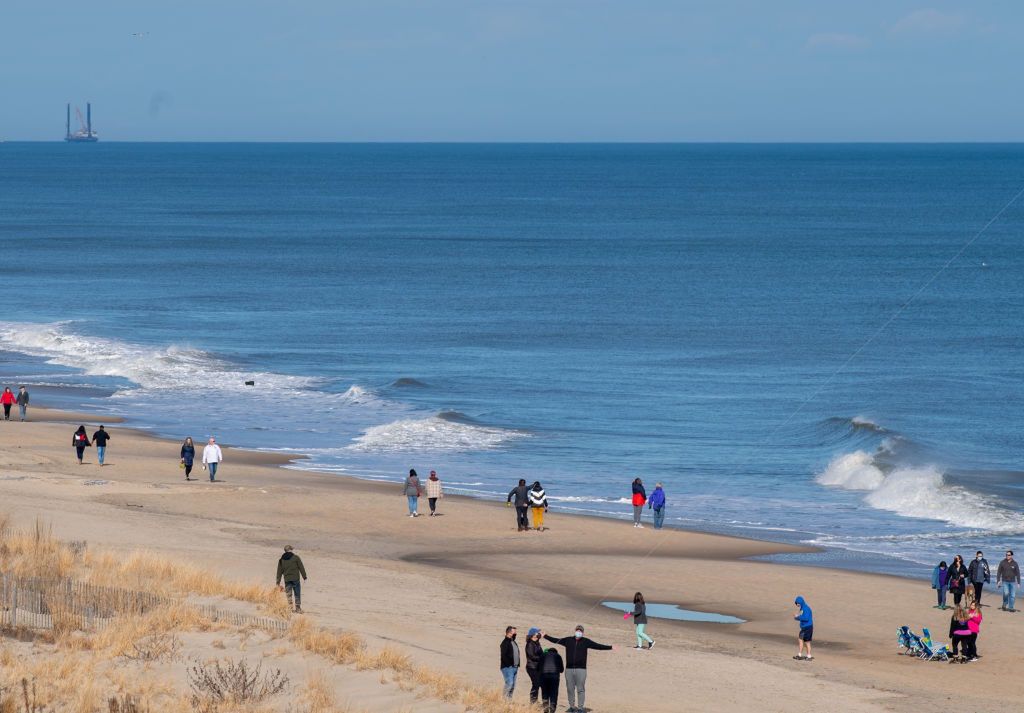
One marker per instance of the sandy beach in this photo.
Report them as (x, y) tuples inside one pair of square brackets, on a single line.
[(443, 589)]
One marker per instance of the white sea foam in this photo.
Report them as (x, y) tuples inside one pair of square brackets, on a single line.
[(431, 434), (172, 367), (920, 492)]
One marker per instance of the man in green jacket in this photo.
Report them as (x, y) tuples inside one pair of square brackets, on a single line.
[(289, 569)]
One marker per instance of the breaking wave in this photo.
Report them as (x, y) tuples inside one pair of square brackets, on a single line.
[(435, 433), (918, 491)]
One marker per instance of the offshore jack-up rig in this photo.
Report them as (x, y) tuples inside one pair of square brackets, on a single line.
[(85, 134)]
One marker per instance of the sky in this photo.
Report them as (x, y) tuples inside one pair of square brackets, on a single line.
[(515, 70)]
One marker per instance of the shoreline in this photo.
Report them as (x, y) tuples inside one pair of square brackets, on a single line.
[(444, 588)]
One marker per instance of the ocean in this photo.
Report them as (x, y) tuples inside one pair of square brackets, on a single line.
[(730, 320)]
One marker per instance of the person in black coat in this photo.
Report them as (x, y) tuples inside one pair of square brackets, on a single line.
[(957, 579), (551, 668), (534, 654), (188, 456), (509, 660)]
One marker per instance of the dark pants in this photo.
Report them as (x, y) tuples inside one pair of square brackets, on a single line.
[(957, 596), (535, 683), (549, 691), (7, 412), (959, 639), (977, 591), (971, 646), (81, 451), (521, 518), (188, 469), (433, 504), (293, 589)]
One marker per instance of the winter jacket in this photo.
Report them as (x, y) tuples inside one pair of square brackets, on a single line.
[(80, 440), (657, 501), (957, 578), (639, 613), (978, 571), (522, 496), (639, 497), (188, 455), (433, 488), (576, 649), (289, 568), (806, 617), (1008, 572), (538, 498), (22, 398), (412, 486), (212, 453), (100, 438), (940, 578), (7, 398), (509, 653), (534, 653), (551, 664), (974, 622)]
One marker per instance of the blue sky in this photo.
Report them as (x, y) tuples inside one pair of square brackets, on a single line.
[(572, 70)]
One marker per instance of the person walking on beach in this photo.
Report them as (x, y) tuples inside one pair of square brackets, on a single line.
[(22, 402), (539, 505), (576, 648), (940, 583), (80, 441), (8, 400), (290, 569), (534, 654), (212, 458), (1008, 575), (639, 499), (433, 492), (188, 456), (522, 495), (509, 651), (551, 668), (639, 615), (806, 620), (412, 491), (979, 575), (657, 505), (957, 579), (100, 439)]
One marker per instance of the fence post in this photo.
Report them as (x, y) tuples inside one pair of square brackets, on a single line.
[(14, 605)]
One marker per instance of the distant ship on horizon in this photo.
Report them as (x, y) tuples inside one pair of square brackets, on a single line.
[(85, 134)]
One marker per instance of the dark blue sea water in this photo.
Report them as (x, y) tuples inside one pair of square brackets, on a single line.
[(715, 317)]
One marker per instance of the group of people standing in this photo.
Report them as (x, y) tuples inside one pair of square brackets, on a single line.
[(656, 504), (8, 399), (213, 456), (958, 579), (413, 490), (545, 666)]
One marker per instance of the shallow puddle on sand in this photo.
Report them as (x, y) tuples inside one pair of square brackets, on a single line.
[(672, 611)]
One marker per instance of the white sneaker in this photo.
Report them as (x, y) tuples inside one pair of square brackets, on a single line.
[(640, 526)]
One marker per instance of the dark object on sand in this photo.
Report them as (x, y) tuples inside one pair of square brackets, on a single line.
[(250, 383)]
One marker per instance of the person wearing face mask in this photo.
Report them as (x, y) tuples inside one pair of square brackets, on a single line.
[(534, 654), (978, 574), (509, 660), (576, 648), (940, 582)]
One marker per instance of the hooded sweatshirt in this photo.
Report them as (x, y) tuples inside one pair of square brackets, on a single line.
[(805, 618), (289, 568), (657, 501), (551, 664)]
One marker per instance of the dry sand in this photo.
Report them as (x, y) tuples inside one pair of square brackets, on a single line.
[(444, 588)]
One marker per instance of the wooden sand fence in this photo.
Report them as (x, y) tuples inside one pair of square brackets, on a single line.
[(33, 603)]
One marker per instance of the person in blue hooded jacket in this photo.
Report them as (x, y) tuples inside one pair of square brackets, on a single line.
[(657, 504), (806, 621)]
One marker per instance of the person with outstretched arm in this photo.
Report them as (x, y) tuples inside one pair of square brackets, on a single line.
[(576, 648), (522, 495)]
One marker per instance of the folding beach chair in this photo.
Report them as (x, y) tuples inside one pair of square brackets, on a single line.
[(932, 651), (916, 645), (903, 640)]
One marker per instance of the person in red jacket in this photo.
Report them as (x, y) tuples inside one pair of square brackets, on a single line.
[(7, 399), (639, 500)]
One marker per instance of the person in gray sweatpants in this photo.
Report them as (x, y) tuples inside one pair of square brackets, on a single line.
[(576, 648)]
